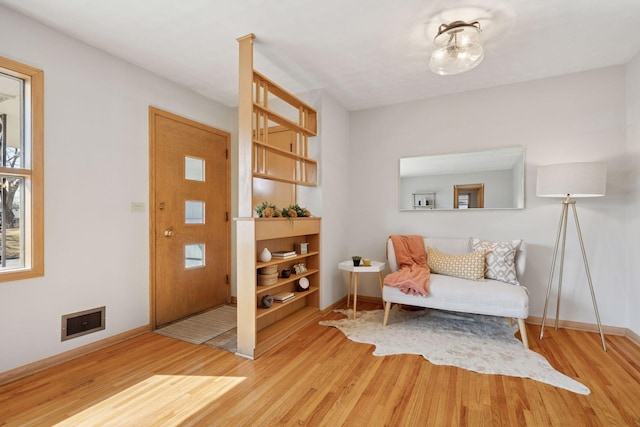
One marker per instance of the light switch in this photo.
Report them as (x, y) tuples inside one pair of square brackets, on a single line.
[(137, 207)]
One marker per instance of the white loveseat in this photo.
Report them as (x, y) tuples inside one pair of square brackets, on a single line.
[(489, 297)]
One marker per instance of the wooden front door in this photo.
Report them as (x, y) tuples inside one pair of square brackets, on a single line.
[(189, 214)]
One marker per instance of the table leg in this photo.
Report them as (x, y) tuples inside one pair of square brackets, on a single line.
[(381, 285), (355, 293), (349, 290)]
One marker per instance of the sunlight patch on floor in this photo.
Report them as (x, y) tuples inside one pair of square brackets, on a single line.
[(161, 399)]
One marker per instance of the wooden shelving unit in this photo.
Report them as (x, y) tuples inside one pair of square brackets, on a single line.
[(261, 328), (273, 147), (423, 200), (281, 234), (266, 118)]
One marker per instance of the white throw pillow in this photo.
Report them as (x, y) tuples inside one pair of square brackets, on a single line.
[(500, 259)]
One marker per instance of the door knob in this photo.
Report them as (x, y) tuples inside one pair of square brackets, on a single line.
[(168, 232)]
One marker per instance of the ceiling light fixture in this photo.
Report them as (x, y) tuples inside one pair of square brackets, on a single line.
[(457, 48)]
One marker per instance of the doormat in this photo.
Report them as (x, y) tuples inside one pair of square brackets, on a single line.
[(202, 327), (227, 341)]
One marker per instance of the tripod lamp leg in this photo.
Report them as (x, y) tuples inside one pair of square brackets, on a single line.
[(586, 267), (553, 267)]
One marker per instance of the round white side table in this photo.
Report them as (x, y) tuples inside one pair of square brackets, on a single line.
[(375, 267)]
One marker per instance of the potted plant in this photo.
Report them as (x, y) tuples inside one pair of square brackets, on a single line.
[(268, 210), (356, 260), (295, 211)]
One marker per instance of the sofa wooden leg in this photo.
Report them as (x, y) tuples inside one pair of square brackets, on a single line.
[(387, 309), (523, 333)]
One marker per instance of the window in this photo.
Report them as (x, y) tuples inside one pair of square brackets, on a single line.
[(21, 171)]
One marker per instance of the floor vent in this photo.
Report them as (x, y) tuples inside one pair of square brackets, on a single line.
[(82, 323)]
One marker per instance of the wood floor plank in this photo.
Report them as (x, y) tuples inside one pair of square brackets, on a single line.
[(318, 377)]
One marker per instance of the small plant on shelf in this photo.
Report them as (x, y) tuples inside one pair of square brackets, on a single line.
[(295, 211), (268, 210)]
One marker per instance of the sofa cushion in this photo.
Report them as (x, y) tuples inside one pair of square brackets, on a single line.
[(466, 266), (490, 297), (457, 245), (500, 259)]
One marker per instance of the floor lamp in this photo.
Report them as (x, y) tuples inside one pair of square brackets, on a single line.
[(569, 181)]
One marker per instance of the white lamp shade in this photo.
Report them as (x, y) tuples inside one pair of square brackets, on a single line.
[(572, 179)]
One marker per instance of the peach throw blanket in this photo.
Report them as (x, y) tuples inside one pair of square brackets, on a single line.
[(413, 273)]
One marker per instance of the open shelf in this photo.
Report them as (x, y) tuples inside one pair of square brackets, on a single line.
[(275, 261), (281, 305), (282, 120), (265, 89), (281, 281), (284, 153)]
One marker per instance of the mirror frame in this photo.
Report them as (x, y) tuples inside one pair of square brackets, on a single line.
[(473, 165)]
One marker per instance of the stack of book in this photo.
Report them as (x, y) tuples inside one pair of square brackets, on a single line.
[(283, 254), (283, 296)]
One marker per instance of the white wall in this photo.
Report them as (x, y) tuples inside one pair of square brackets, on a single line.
[(331, 198), (578, 117), (96, 164), (633, 187)]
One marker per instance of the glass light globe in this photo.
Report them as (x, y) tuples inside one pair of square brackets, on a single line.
[(457, 48)]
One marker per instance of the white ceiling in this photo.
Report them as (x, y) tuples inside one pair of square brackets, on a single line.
[(365, 53)]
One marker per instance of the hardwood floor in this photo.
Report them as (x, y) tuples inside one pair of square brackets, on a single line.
[(318, 377)]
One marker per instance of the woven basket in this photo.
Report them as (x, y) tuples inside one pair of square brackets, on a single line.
[(272, 269), (267, 279)]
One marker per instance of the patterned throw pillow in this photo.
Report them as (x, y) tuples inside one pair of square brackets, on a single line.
[(500, 259), (466, 266)]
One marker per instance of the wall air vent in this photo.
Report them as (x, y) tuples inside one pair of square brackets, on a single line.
[(82, 323)]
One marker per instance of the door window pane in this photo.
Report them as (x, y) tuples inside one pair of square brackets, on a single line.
[(194, 255), (193, 212), (193, 169)]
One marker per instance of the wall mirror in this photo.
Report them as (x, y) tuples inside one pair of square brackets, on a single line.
[(490, 179)]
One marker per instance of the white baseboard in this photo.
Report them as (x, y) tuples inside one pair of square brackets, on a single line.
[(635, 338), (579, 326), (333, 306), (588, 327)]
